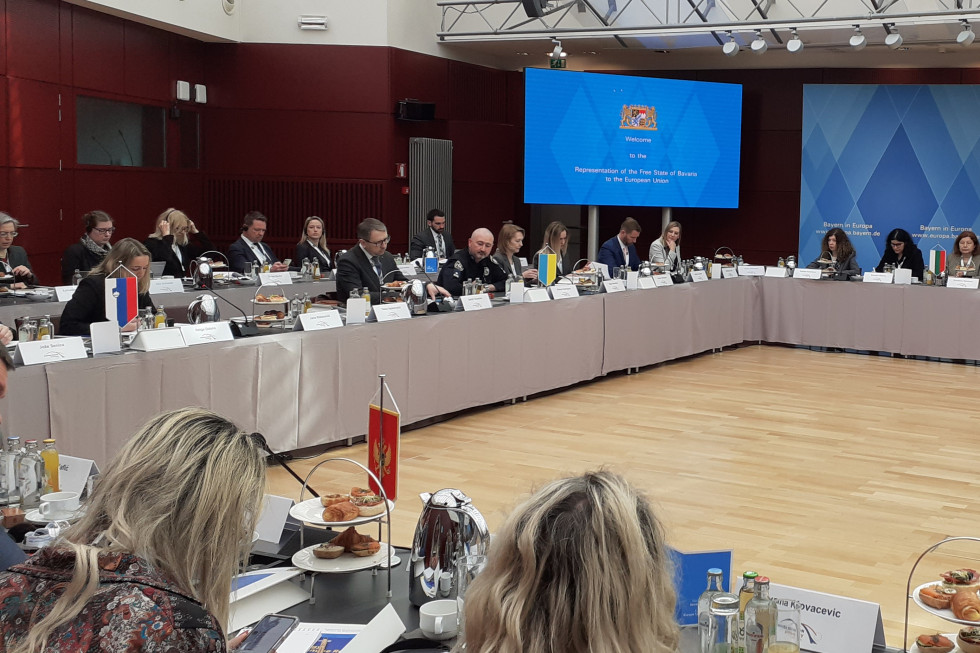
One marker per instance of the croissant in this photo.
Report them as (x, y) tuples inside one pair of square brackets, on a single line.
[(349, 538), (338, 512), (966, 605)]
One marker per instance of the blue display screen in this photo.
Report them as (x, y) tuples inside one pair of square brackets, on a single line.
[(618, 140)]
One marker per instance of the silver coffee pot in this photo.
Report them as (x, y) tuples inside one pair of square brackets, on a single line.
[(449, 528), (415, 296), (203, 309)]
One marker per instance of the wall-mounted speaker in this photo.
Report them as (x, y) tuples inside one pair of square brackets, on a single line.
[(415, 110), (534, 8)]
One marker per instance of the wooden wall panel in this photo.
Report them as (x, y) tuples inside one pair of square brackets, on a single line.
[(421, 77), (33, 123), (146, 64), (33, 43), (104, 190), (98, 51), (35, 199)]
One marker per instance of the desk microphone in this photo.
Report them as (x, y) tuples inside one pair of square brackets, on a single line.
[(279, 458)]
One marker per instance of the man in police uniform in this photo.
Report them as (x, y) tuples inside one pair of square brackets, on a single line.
[(473, 262)]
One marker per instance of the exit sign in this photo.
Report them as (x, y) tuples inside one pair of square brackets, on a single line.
[(558, 63)]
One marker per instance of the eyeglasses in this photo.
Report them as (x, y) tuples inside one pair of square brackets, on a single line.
[(8, 234), (380, 242), (105, 231), (897, 244)]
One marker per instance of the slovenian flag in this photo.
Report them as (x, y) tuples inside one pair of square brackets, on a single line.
[(121, 304), (547, 268), (937, 260)]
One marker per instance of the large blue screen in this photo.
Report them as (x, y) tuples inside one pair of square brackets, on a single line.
[(630, 141)]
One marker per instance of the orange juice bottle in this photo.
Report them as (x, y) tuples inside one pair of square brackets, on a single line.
[(50, 456)]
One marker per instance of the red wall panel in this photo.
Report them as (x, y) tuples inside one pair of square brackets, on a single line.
[(485, 152), (187, 60), (98, 51), (421, 77), (104, 190), (35, 199), (33, 124), (146, 63), (33, 43)]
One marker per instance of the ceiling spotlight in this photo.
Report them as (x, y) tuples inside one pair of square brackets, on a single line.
[(965, 37), (893, 40), (859, 40), (731, 48), (557, 53), (759, 45), (794, 45)]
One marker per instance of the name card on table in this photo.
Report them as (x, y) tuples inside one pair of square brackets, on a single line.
[(430, 265), (751, 270), (690, 570), (73, 473), (903, 277), (564, 291), (200, 334), (807, 273), (408, 269), (164, 286), (476, 302), (662, 280), (275, 512), (777, 272), (49, 351), (393, 312), (533, 295), (356, 307), (275, 279), (877, 277), (516, 295), (962, 282), (716, 270), (318, 321), (645, 283), (158, 340), (104, 337), (830, 623), (64, 293), (631, 278), (614, 285), (728, 273), (698, 276)]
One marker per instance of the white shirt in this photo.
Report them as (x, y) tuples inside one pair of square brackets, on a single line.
[(626, 251), (440, 243), (319, 251), (257, 249)]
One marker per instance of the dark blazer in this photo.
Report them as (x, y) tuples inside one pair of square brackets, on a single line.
[(501, 260), (849, 265), (305, 250), (87, 305), (161, 249), (77, 257), (18, 256), (354, 271), (611, 253), (241, 256), (913, 261), (425, 239)]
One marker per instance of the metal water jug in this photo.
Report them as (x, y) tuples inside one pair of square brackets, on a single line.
[(203, 309), (449, 528), (202, 272), (415, 296)]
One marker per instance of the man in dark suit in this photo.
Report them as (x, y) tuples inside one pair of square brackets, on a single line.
[(473, 262), (250, 249), (435, 236), (368, 262), (620, 250)]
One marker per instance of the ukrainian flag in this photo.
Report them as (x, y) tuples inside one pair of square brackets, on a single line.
[(547, 268)]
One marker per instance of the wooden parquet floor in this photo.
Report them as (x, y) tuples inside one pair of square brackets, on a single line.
[(829, 471)]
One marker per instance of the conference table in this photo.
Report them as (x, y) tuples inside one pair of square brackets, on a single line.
[(306, 389)]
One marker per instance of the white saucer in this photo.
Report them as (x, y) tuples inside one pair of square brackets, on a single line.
[(34, 516)]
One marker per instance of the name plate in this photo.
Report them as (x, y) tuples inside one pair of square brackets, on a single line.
[(751, 270), (716, 270), (646, 283), (200, 334), (408, 269), (877, 277), (699, 275), (49, 351), (64, 293), (662, 280), (164, 286), (832, 624), (516, 295), (564, 291), (275, 279), (807, 273), (962, 282), (356, 307), (631, 278), (73, 473), (157, 340), (318, 321), (903, 277), (476, 302), (393, 312), (777, 272), (728, 273), (614, 285), (430, 265), (537, 295)]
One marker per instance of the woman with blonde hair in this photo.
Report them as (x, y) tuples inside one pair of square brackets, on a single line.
[(580, 566), (556, 242), (149, 564), (176, 241), (87, 305), (312, 245)]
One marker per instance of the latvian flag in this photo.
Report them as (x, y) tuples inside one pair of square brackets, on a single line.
[(937, 260), (121, 300)]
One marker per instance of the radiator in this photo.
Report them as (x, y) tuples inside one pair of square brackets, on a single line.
[(430, 176)]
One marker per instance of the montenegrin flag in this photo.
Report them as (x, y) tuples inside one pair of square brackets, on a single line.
[(547, 268), (121, 303), (937, 260), (384, 436)]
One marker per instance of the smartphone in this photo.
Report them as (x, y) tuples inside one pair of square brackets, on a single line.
[(269, 633), (288, 262)]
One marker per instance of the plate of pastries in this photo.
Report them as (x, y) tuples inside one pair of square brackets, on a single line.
[(967, 640), (349, 551), (953, 597), (358, 506)]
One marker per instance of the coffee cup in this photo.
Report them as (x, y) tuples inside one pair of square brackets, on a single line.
[(437, 619), (58, 505)]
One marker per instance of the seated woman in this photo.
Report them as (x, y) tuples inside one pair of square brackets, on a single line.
[(582, 565), (556, 242), (964, 260), (509, 242), (87, 305), (836, 251), (91, 249), (667, 248), (177, 241), (312, 245), (901, 252), (16, 267), (149, 564)]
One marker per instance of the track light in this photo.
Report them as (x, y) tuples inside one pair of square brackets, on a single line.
[(965, 37), (759, 45), (557, 53), (731, 48), (893, 40), (859, 40), (794, 45)]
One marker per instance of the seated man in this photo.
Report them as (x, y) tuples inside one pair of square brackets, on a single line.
[(365, 265), (250, 249), (473, 262), (620, 250), (435, 237)]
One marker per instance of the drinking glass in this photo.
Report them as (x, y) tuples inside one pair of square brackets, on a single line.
[(467, 569), (787, 628)]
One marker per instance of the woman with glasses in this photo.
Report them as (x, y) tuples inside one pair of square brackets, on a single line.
[(17, 270), (964, 260), (87, 305), (902, 253), (91, 249), (176, 241)]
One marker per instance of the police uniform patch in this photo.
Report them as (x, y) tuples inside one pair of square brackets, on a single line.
[(486, 272), (458, 265)]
